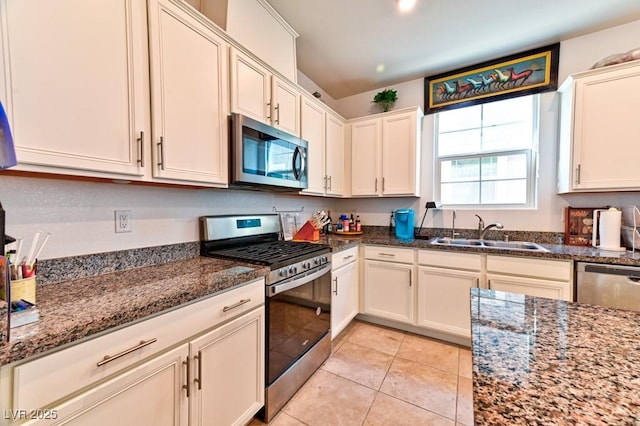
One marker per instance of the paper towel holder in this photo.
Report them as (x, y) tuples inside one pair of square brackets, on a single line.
[(427, 206)]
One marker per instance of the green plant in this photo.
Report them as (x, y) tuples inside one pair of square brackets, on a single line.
[(386, 98)]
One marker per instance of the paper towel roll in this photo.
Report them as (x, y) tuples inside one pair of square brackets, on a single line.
[(609, 226)]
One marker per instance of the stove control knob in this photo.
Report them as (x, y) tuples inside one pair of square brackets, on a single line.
[(282, 272), (293, 270), (316, 261), (306, 265), (323, 259)]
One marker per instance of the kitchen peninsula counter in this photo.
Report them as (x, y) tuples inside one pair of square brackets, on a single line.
[(549, 362), (75, 309)]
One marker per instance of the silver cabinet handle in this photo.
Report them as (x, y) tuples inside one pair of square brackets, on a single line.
[(335, 280), (186, 386), (108, 358), (386, 254), (269, 110), (141, 149), (329, 183), (376, 188), (235, 305), (383, 184), (277, 113), (410, 277), (347, 257), (326, 186), (199, 379), (578, 174), (161, 153)]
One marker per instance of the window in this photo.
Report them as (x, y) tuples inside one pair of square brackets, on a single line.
[(486, 154)]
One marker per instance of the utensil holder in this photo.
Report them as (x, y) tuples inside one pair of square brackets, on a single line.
[(21, 289)]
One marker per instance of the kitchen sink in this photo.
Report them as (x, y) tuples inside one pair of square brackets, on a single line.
[(477, 243)]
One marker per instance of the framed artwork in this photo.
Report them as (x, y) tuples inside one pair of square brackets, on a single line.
[(526, 73), (578, 226)]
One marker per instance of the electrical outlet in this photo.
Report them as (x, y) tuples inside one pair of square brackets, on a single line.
[(123, 221)]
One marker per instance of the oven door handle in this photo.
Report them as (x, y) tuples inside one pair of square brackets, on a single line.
[(297, 281)]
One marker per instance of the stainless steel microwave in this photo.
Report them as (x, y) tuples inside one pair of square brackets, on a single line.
[(263, 157)]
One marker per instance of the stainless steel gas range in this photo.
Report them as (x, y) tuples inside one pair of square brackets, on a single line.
[(297, 302)]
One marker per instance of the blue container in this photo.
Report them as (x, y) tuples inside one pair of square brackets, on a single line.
[(404, 219)]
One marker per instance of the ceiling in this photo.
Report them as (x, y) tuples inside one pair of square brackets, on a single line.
[(343, 44)]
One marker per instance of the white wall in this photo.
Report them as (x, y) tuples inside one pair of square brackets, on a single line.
[(80, 215), (576, 55)]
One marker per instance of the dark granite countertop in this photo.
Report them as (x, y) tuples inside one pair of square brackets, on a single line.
[(555, 251), (74, 309), (548, 362)]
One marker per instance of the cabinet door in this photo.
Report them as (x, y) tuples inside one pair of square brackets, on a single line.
[(344, 297), (250, 88), (150, 394), (607, 129), (530, 286), (312, 131), (388, 290), (365, 157), (76, 75), (399, 155), (189, 93), (285, 106), (228, 385), (334, 155), (444, 300)]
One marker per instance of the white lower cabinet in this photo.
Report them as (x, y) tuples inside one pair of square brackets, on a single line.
[(344, 289), (228, 378), (444, 299), (202, 364), (534, 277), (150, 394), (388, 284), (444, 280)]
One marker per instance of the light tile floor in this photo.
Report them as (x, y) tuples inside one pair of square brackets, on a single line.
[(381, 376)]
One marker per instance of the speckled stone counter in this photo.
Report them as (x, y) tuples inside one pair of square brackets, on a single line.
[(72, 310), (547, 362), (554, 251)]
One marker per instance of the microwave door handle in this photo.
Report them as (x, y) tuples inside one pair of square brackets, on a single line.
[(297, 173)]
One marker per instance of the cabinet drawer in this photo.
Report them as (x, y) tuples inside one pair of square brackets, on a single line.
[(448, 259), (54, 376), (538, 268), (343, 257), (390, 254)]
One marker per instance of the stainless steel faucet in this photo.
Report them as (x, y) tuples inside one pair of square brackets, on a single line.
[(453, 225), (482, 230)]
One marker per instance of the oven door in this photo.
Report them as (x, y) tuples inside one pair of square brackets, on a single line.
[(298, 316)]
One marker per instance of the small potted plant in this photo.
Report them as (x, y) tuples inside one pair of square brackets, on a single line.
[(386, 99)]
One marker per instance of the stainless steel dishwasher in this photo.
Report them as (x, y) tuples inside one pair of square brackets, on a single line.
[(613, 286)]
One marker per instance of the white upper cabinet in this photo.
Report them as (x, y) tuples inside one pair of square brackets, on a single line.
[(599, 128), (385, 154), (76, 81), (257, 93), (324, 133), (189, 96), (334, 155)]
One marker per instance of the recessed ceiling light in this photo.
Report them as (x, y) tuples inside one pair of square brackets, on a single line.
[(405, 5), (380, 68)]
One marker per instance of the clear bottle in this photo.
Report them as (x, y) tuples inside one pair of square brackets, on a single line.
[(339, 225), (358, 224), (352, 224), (345, 223)]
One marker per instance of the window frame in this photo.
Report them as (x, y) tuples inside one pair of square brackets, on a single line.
[(531, 172)]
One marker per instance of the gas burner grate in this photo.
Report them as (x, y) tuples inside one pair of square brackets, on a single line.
[(269, 253)]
